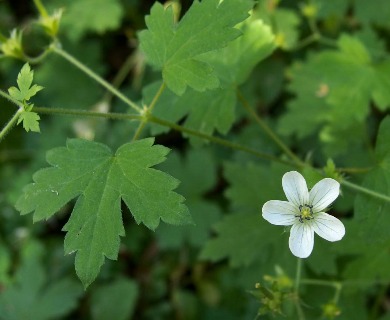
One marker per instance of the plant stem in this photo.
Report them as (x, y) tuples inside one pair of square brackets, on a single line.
[(220, 141), (325, 283), (369, 192), (39, 58), (120, 77), (301, 315), (298, 275), (86, 113), (148, 112), (174, 126), (41, 8), (10, 124), (269, 131), (9, 98), (96, 77), (355, 170)]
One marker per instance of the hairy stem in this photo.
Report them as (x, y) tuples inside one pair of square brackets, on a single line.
[(301, 315), (120, 77), (10, 124), (9, 98), (174, 126), (366, 191), (148, 111), (269, 131), (96, 77)]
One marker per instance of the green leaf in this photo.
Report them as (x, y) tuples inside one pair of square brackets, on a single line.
[(25, 79), (30, 121), (241, 238), (115, 300), (99, 178), (176, 48), (215, 109), (324, 95), (32, 295), (235, 62), (284, 23), (245, 190), (377, 14), (83, 16), (371, 214)]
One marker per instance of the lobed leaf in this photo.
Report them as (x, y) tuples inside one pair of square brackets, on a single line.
[(176, 47), (24, 80), (99, 179), (30, 121)]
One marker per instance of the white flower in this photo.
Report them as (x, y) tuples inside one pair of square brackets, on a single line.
[(304, 211)]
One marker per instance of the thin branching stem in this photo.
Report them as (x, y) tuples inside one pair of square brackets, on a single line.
[(7, 128), (148, 111), (96, 77), (269, 131)]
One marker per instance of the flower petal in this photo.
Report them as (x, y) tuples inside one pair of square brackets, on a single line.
[(301, 240), (324, 193), (295, 188), (328, 227), (281, 213)]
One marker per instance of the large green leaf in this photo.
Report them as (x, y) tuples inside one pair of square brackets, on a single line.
[(215, 109), (99, 178), (176, 47)]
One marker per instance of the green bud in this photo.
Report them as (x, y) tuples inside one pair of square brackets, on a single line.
[(12, 46)]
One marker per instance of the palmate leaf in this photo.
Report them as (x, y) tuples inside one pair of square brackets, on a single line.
[(25, 90), (215, 109), (99, 178), (176, 48), (30, 121)]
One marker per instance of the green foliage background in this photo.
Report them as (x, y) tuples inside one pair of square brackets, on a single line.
[(315, 73)]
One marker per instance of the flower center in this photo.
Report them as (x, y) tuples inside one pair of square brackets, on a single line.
[(306, 212)]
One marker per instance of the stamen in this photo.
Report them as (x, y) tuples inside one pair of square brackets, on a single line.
[(306, 212)]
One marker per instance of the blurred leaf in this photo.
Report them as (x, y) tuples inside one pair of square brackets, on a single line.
[(100, 179), (175, 47), (284, 23), (367, 13), (204, 214), (83, 16), (241, 238), (371, 214), (252, 185), (31, 296), (116, 300)]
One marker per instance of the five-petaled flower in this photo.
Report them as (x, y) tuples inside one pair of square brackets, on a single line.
[(304, 210)]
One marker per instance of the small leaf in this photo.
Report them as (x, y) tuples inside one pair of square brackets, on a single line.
[(30, 121), (99, 178), (25, 79)]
